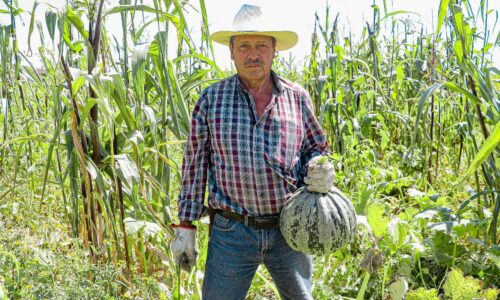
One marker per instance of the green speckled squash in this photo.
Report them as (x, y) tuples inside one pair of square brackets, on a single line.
[(316, 223)]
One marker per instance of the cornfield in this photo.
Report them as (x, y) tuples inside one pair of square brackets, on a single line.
[(91, 147)]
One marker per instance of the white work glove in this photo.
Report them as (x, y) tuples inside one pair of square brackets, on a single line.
[(183, 246), (320, 175)]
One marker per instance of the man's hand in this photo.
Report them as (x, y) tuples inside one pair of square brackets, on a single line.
[(183, 246), (320, 175)]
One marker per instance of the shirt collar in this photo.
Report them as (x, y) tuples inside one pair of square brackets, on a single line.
[(277, 86)]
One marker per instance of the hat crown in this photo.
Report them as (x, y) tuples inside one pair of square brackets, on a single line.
[(248, 18)]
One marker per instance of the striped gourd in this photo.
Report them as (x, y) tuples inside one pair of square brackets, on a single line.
[(316, 223)]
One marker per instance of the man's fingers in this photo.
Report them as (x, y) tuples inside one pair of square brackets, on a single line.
[(318, 188), (318, 181)]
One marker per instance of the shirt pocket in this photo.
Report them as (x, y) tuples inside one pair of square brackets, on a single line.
[(282, 143)]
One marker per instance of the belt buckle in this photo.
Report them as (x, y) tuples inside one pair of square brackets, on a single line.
[(265, 221), (245, 221)]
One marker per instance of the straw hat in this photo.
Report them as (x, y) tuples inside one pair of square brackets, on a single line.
[(250, 20)]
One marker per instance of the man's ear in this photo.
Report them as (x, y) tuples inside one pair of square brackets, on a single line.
[(231, 51)]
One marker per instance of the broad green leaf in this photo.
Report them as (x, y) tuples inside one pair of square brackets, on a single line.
[(377, 219), (86, 111), (459, 51), (398, 288), (398, 232), (77, 84), (422, 294), (139, 59), (456, 88), (144, 8), (135, 137), (127, 170), (67, 37), (485, 85), (423, 98), (443, 8), (444, 249), (96, 175), (489, 145), (458, 287), (120, 98), (133, 226), (491, 294), (399, 73), (50, 21), (130, 8), (76, 21)]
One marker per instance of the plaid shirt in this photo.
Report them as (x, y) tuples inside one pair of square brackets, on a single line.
[(251, 164)]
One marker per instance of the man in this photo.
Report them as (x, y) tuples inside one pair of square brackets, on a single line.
[(252, 135)]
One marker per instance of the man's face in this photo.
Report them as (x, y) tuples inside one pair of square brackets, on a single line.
[(253, 56)]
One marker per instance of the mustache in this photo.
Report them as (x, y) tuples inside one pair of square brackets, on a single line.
[(256, 61)]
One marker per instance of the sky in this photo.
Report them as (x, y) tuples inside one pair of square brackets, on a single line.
[(291, 15)]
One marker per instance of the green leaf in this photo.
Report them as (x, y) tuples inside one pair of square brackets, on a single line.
[(144, 8), (377, 219), (459, 51), (397, 12), (77, 84), (86, 111), (148, 229), (491, 294), (99, 178), (76, 21), (444, 248), (422, 294), (456, 88), (127, 170), (443, 7), (398, 232), (489, 145), (50, 21), (459, 287), (32, 24), (398, 288), (426, 94), (130, 8)]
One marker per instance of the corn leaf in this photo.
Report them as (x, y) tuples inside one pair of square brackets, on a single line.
[(32, 24), (488, 146), (77, 22), (443, 7), (50, 21)]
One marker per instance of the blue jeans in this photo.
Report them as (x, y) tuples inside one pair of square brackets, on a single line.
[(235, 252)]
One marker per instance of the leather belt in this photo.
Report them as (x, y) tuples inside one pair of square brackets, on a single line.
[(260, 222)]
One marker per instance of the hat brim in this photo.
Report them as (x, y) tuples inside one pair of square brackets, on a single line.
[(284, 39)]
